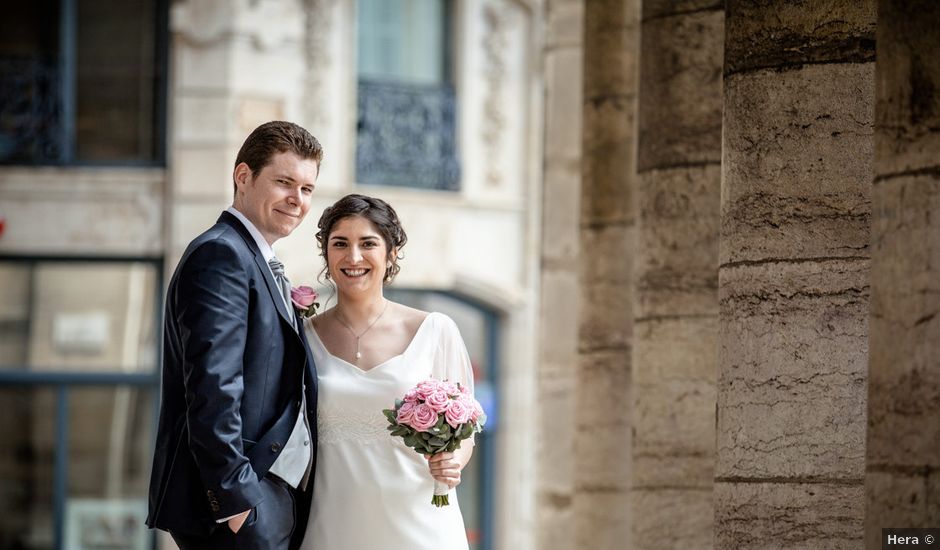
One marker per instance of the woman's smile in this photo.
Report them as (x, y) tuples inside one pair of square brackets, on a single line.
[(355, 272)]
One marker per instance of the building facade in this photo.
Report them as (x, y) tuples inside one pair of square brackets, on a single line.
[(118, 141)]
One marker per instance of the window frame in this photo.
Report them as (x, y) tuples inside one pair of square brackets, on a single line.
[(446, 172), (62, 382), (67, 70)]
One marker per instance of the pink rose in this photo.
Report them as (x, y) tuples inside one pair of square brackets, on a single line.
[(472, 405), (303, 296), (477, 410), (464, 389), (405, 413), (426, 388), (457, 413), (450, 388), (411, 396), (439, 401), (424, 417)]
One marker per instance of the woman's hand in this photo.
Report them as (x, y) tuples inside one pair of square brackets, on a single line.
[(445, 468)]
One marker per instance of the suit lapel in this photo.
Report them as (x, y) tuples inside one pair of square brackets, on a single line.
[(273, 288), (310, 374)]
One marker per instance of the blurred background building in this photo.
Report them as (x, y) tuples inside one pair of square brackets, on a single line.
[(692, 246)]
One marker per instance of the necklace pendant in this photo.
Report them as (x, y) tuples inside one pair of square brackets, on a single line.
[(358, 355)]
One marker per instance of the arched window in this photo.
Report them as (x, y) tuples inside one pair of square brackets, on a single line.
[(479, 328)]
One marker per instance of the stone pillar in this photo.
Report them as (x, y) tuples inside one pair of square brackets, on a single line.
[(676, 324), (559, 302), (903, 479), (794, 273), (602, 439)]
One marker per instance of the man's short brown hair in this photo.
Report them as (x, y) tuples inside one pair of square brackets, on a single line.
[(275, 137)]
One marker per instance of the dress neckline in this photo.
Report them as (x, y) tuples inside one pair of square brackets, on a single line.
[(316, 337)]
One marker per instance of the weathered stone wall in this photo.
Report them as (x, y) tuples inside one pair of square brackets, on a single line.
[(794, 272), (602, 439), (904, 366), (676, 325), (559, 301)]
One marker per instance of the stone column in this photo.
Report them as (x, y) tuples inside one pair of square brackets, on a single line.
[(903, 479), (676, 325), (559, 302), (602, 439), (794, 272)]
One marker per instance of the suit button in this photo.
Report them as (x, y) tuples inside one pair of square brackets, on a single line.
[(209, 494), (275, 447), (306, 443)]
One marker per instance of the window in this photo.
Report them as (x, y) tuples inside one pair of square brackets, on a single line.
[(82, 82), (406, 99), (78, 386)]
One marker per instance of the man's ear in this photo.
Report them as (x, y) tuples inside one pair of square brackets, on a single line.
[(242, 175)]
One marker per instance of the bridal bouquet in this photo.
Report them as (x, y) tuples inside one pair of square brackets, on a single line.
[(434, 417)]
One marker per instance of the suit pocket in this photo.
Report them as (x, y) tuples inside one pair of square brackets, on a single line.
[(270, 524), (252, 517)]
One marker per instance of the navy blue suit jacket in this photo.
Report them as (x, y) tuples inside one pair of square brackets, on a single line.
[(231, 389)]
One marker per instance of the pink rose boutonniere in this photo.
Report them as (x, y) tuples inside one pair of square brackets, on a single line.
[(305, 300)]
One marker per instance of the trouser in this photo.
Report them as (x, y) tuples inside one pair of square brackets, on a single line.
[(269, 525)]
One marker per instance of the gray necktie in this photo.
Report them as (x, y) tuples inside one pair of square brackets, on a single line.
[(278, 269)]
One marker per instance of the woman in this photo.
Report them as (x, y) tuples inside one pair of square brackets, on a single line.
[(371, 491)]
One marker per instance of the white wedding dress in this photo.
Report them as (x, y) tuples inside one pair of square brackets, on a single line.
[(371, 492)]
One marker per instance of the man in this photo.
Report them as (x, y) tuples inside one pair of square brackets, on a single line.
[(236, 443)]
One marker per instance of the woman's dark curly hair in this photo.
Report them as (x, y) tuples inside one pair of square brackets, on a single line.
[(377, 211)]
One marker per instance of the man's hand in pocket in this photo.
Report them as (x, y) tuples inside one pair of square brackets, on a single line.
[(236, 522)]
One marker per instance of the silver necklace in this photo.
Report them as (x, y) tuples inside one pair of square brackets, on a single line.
[(358, 336)]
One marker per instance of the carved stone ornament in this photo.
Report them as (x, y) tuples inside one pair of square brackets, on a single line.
[(267, 23), (494, 45)]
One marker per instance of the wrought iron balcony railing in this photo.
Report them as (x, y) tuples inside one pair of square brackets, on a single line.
[(30, 111), (407, 135)]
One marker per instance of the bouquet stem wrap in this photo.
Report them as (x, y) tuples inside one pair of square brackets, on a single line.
[(440, 497)]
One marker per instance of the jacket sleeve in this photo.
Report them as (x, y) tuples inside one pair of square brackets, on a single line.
[(212, 311)]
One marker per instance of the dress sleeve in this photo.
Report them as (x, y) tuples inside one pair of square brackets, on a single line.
[(453, 362)]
